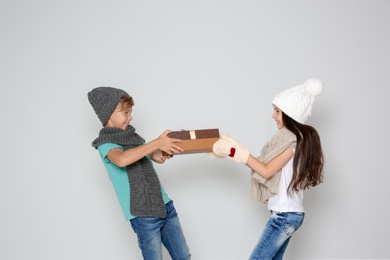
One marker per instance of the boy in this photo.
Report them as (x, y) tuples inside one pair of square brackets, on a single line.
[(128, 160)]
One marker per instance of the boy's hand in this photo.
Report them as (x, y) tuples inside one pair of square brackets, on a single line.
[(167, 144), (159, 157)]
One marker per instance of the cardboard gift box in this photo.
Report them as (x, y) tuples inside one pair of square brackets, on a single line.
[(196, 141)]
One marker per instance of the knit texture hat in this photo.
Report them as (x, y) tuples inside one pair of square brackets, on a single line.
[(297, 102), (104, 101)]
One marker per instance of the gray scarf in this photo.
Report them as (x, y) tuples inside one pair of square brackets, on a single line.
[(262, 189), (145, 190)]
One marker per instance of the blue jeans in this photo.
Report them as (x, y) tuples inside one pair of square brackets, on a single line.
[(153, 232), (276, 235)]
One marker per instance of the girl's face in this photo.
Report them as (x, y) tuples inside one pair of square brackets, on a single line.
[(278, 117), (120, 118)]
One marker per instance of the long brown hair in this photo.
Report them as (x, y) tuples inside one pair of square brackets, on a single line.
[(308, 161)]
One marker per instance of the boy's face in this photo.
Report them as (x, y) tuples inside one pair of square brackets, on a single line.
[(120, 118)]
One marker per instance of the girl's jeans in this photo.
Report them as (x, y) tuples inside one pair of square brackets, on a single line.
[(277, 234), (153, 232)]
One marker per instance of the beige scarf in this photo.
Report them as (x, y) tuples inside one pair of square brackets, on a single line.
[(262, 189)]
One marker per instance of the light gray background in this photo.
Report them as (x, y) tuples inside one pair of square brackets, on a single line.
[(190, 65)]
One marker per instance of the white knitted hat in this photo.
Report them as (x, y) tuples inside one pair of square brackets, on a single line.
[(297, 102)]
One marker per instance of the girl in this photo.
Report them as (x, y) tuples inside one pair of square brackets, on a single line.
[(289, 163)]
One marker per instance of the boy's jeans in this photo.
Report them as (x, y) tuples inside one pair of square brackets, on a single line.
[(153, 232), (277, 234)]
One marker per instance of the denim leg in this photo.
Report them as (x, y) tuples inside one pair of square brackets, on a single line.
[(276, 235), (173, 237), (152, 233), (282, 249), (149, 237)]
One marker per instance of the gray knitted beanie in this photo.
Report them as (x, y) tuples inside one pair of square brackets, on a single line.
[(104, 101)]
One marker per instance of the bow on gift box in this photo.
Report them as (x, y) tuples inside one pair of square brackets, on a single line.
[(228, 147)]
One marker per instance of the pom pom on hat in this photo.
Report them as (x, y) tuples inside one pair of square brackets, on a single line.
[(297, 102), (313, 87), (104, 101)]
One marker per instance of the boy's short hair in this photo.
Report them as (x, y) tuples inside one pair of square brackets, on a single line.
[(126, 102), (104, 100)]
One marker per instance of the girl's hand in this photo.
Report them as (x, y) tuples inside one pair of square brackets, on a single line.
[(227, 146)]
